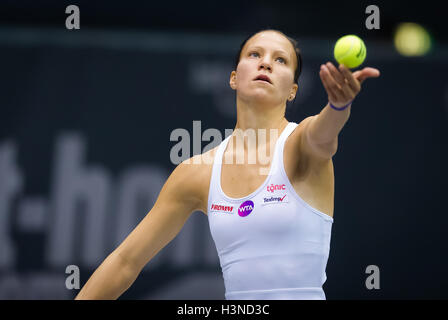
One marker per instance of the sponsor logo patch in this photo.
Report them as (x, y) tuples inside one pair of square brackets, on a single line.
[(246, 208), (274, 187), (221, 208), (276, 199)]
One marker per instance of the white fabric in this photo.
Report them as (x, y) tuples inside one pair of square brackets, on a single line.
[(277, 251)]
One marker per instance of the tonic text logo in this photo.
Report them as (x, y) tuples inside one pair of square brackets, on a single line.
[(273, 187)]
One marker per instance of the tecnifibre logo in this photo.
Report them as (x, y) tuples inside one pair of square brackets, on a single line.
[(245, 208)]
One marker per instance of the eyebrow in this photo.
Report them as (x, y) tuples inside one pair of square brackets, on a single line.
[(276, 51)]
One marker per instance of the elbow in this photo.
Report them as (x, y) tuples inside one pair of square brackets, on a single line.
[(113, 277), (327, 150), (333, 148)]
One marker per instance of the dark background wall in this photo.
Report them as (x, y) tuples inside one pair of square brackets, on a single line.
[(86, 119)]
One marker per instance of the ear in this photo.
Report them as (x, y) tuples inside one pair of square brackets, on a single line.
[(232, 81), (293, 92)]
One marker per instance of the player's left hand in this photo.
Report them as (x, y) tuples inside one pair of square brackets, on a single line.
[(341, 84)]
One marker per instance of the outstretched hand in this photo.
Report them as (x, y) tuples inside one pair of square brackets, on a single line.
[(341, 84)]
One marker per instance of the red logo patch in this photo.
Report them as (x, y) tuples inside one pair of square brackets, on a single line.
[(221, 208)]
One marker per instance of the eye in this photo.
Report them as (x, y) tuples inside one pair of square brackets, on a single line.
[(281, 60), (254, 53)]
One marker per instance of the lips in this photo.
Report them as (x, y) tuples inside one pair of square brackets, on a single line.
[(263, 78)]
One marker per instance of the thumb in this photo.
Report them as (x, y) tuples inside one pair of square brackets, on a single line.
[(365, 73)]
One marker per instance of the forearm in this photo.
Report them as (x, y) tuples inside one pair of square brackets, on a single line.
[(327, 124), (109, 281)]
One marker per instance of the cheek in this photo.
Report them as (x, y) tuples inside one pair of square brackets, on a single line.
[(286, 81), (242, 73)]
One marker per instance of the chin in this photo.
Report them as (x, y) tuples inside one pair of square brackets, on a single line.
[(259, 96), (264, 97)]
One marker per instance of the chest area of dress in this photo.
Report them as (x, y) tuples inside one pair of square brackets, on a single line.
[(272, 207), (238, 180)]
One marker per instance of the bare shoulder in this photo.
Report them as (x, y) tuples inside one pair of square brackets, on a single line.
[(196, 172)]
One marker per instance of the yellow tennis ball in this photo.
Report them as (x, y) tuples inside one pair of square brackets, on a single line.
[(350, 51)]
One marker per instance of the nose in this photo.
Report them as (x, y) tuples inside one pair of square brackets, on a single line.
[(264, 64)]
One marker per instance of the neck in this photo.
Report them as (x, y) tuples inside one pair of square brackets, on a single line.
[(257, 121), (256, 116)]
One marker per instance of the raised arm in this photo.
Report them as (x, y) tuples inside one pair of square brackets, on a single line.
[(342, 86), (180, 196)]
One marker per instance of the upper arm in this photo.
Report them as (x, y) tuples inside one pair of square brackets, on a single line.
[(308, 146), (178, 198)]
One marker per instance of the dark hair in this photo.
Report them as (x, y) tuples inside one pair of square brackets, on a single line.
[(294, 43)]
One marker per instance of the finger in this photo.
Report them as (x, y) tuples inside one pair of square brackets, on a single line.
[(343, 81), (356, 74), (335, 74), (351, 79), (331, 96), (367, 73), (332, 84)]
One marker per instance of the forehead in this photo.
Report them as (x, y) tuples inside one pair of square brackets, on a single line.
[(272, 40)]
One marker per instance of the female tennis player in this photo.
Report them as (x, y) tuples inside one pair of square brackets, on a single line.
[(271, 230)]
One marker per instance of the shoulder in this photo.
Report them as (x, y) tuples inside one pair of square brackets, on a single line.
[(194, 175)]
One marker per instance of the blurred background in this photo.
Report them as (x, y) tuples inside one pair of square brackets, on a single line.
[(87, 115)]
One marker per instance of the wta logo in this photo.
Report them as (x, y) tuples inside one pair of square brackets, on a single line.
[(245, 208)]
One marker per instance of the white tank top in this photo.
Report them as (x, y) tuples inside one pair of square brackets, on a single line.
[(271, 244)]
